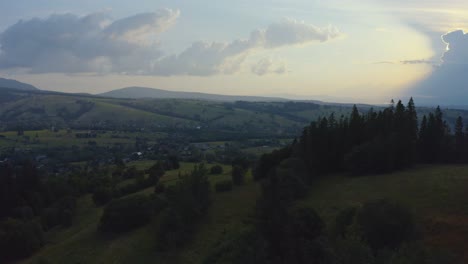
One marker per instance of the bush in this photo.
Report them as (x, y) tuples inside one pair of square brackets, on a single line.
[(102, 195), (343, 221), (159, 188), (216, 169), (223, 186), (19, 239), (126, 213), (155, 172), (238, 175), (245, 246), (188, 201), (385, 224), (353, 251)]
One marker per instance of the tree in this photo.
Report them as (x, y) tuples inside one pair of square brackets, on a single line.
[(459, 140), (355, 126), (102, 195), (155, 172), (238, 175), (126, 213), (188, 201), (19, 239), (385, 224), (216, 169), (412, 119)]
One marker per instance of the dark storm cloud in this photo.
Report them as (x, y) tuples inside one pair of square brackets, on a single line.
[(448, 83)]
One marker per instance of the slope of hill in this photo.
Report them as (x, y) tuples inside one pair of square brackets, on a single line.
[(143, 92), (14, 84), (42, 110), (436, 194), (197, 119)]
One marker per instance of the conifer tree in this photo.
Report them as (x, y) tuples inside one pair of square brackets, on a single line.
[(412, 119), (459, 140)]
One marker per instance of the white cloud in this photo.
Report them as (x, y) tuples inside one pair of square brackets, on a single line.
[(292, 32), (267, 66), (68, 43), (203, 58), (139, 26)]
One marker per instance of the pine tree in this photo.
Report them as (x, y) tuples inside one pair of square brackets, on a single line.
[(400, 118), (412, 119), (459, 140), (355, 131)]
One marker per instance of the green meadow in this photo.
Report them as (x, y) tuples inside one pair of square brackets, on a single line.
[(435, 194)]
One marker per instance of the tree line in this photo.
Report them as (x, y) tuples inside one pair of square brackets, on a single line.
[(373, 142)]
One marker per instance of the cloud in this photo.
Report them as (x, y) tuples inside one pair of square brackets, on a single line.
[(421, 61), (448, 83), (267, 66), (204, 58), (292, 32), (457, 48), (67, 43), (141, 25)]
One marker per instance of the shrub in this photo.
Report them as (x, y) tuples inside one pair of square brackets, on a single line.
[(19, 239), (159, 188), (126, 213), (238, 175), (216, 169), (188, 201), (353, 251), (343, 221), (223, 186), (385, 224), (102, 195), (244, 246)]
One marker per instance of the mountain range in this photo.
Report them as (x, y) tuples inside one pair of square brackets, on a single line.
[(144, 92), (14, 84)]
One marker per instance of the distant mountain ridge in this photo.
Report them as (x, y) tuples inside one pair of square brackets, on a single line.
[(144, 92), (14, 84)]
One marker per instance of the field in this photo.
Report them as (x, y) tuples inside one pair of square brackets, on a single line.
[(42, 139), (436, 194), (82, 243)]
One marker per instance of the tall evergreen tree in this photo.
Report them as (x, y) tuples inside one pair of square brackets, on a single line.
[(459, 140), (355, 131), (412, 119)]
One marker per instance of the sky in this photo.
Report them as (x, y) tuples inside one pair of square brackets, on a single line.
[(332, 50)]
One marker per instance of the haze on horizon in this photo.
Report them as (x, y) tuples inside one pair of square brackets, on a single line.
[(336, 49)]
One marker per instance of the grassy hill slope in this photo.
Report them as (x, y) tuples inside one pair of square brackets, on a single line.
[(436, 194), (82, 243)]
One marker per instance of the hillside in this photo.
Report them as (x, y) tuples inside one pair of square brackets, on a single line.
[(14, 84), (83, 243), (200, 119), (435, 193), (143, 92), (43, 110)]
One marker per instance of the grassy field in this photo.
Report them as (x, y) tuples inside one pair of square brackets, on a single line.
[(38, 139), (82, 243), (436, 194)]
